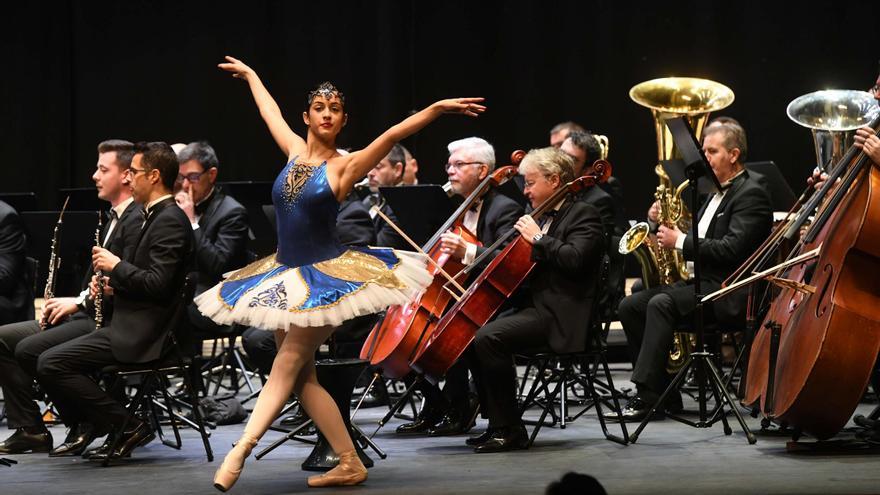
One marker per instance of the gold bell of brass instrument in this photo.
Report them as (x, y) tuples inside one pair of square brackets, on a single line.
[(833, 116), (670, 97)]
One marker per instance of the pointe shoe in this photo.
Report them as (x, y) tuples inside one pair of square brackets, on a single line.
[(228, 472), (349, 471)]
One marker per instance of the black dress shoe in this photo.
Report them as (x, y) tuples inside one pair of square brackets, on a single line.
[(22, 442), (137, 436), (294, 419), (480, 439), (453, 423), (505, 440), (427, 418), (101, 451), (78, 439), (635, 411)]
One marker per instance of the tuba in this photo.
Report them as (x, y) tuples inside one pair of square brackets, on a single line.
[(670, 97), (833, 116)]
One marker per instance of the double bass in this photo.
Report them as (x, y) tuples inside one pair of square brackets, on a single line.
[(393, 341), (485, 296), (816, 349)]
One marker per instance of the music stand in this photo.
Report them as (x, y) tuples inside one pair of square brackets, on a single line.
[(697, 168)]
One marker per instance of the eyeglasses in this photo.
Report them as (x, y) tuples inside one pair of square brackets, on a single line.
[(192, 176), (459, 165), (134, 171)]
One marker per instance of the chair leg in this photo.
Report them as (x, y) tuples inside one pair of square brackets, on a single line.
[(600, 358), (197, 413)]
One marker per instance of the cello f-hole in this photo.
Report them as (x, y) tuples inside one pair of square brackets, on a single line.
[(820, 304)]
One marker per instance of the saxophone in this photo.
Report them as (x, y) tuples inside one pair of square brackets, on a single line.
[(98, 300)]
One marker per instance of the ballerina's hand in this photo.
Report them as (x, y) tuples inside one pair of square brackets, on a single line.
[(237, 67), (467, 106)]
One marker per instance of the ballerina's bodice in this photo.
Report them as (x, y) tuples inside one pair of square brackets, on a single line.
[(305, 213)]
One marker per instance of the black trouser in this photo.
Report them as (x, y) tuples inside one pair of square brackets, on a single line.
[(20, 345), (650, 318), (493, 362), (64, 370)]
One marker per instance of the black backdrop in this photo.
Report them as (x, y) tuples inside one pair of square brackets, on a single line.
[(76, 73)]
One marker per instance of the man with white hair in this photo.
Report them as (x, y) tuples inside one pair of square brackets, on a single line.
[(470, 161)]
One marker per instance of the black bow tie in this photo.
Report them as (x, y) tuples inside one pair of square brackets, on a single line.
[(475, 207), (551, 213)]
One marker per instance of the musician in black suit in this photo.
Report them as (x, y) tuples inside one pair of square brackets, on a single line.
[(732, 224), (608, 197), (220, 228), (387, 173), (470, 161), (144, 287), (64, 318), (16, 301), (567, 248)]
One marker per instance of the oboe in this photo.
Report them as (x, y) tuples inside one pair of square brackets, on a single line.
[(54, 264), (99, 295)]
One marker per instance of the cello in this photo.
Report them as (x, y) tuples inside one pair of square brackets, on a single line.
[(814, 354), (394, 339), (485, 296)]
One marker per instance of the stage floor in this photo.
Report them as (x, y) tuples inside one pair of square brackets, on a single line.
[(668, 458)]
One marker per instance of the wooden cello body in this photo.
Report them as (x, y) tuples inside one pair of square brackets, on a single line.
[(394, 340)]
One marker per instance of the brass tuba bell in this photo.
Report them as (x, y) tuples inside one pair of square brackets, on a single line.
[(670, 97), (833, 115)]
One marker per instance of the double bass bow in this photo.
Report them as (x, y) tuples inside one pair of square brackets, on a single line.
[(485, 296), (392, 342)]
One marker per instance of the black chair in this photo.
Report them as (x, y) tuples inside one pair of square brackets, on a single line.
[(557, 374), (226, 361), (152, 397)]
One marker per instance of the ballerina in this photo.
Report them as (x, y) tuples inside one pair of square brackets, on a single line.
[(313, 283)]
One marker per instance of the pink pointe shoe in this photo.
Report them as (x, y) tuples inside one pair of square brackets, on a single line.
[(349, 471), (228, 472)]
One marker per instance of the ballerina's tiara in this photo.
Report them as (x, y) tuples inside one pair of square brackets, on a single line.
[(326, 90)]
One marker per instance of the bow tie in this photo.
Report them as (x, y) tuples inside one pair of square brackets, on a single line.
[(550, 214), (475, 206)]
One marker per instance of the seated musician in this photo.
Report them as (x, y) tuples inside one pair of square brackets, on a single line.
[(567, 247), (389, 172), (144, 286), (411, 168), (561, 131), (732, 224), (220, 228), (65, 318), (608, 197), (470, 162), (16, 301)]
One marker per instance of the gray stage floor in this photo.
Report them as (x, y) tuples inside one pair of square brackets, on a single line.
[(668, 458)]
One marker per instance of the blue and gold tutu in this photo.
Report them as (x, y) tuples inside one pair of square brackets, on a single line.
[(312, 280)]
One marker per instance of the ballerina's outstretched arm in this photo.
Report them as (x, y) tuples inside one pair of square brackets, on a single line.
[(355, 166), (290, 143)]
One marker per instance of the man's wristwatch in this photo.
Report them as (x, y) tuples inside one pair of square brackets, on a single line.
[(537, 237)]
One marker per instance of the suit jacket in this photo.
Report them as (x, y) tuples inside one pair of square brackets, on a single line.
[(220, 240), (354, 225), (497, 216), (147, 283), (386, 236), (16, 299), (603, 202), (615, 189), (121, 242), (741, 223), (563, 283)]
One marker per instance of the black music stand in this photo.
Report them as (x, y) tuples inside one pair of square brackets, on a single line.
[(696, 168)]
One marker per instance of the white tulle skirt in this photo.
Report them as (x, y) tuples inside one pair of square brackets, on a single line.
[(270, 295)]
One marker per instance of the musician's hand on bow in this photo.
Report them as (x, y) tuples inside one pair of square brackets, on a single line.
[(185, 202), (453, 244), (869, 142), (103, 260), (667, 237), (238, 68), (58, 309), (467, 106), (527, 227), (654, 212), (817, 180)]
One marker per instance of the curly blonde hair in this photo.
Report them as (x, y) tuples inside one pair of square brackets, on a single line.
[(549, 161)]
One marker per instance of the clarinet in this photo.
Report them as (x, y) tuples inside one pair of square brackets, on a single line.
[(54, 264), (98, 300)]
